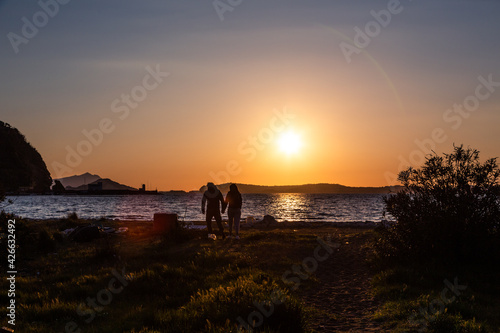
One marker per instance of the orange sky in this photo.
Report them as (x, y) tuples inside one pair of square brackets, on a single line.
[(214, 116)]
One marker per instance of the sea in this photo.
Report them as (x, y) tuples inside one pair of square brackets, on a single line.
[(284, 206)]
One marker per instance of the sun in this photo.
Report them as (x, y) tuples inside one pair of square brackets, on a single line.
[(290, 142)]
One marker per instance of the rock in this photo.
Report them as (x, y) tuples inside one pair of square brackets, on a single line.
[(267, 221), (22, 168), (58, 187)]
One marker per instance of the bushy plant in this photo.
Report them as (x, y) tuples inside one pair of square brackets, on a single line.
[(32, 239), (73, 217), (454, 323), (70, 221), (448, 209), (217, 309), (45, 242)]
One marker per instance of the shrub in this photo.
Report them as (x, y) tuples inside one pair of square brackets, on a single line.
[(58, 237), (448, 209), (45, 242), (217, 308), (73, 217), (454, 323), (70, 221)]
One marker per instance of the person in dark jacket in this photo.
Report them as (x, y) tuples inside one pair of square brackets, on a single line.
[(233, 199), (212, 197)]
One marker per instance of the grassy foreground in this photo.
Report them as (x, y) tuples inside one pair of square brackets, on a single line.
[(142, 282), (436, 298)]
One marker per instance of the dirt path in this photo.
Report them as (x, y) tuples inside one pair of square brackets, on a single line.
[(343, 295)]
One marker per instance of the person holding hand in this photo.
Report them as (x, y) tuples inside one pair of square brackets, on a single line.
[(213, 199), (233, 199)]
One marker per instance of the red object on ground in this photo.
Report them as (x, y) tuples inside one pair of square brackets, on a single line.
[(164, 222)]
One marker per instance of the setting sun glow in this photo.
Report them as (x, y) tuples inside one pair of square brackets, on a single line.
[(290, 142)]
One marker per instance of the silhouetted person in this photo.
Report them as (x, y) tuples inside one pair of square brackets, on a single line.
[(233, 199), (212, 197)]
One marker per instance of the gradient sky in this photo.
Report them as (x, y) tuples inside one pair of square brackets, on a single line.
[(213, 118)]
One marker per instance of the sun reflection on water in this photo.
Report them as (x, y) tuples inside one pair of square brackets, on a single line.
[(284, 206)]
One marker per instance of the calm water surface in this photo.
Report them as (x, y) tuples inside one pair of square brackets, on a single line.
[(284, 207)]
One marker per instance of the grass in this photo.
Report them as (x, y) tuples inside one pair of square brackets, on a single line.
[(142, 282), (438, 298), (180, 283)]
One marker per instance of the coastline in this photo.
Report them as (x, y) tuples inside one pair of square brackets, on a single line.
[(243, 225)]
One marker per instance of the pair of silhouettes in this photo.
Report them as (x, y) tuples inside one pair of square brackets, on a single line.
[(215, 204)]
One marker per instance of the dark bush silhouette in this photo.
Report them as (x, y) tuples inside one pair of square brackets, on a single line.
[(45, 243), (32, 238), (448, 210)]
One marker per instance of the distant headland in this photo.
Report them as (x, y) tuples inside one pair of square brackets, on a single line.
[(309, 188), (89, 182)]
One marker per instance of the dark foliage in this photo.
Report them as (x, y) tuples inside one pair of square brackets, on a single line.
[(32, 239), (45, 242), (448, 210), (21, 166), (70, 221)]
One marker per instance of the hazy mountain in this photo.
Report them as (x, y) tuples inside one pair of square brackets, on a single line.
[(21, 166), (78, 180), (107, 184), (308, 188)]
